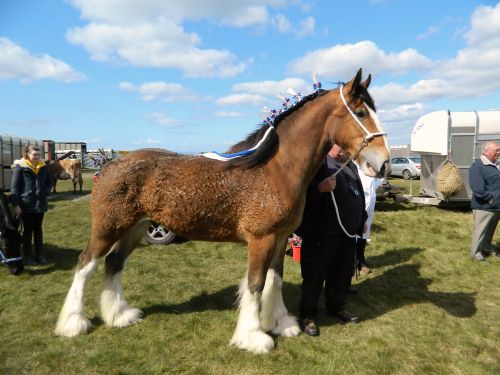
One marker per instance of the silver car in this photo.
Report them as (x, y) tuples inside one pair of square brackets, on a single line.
[(406, 167)]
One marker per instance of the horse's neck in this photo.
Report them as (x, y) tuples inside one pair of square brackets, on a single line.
[(5, 218), (302, 145)]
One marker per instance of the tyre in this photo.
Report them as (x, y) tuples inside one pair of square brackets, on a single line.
[(158, 235), (406, 174)]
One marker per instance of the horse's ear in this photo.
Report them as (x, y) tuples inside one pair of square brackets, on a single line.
[(366, 82), (355, 83)]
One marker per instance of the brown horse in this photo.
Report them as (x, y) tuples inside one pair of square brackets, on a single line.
[(256, 199)]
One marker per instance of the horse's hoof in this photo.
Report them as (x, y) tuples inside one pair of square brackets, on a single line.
[(287, 327), (124, 317), (74, 325), (256, 342)]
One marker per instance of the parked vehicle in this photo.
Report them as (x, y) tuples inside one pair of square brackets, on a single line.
[(406, 167), (158, 235)]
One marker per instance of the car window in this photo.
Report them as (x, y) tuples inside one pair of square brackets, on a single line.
[(415, 160), (394, 161)]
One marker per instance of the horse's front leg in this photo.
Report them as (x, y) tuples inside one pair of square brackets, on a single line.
[(274, 315), (249, 334)]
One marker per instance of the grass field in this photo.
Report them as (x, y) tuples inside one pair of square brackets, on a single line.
[(426, 309)]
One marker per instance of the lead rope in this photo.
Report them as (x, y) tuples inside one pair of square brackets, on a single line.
[(369, 136)]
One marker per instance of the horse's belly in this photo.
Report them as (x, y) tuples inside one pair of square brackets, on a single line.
[(63, 176)]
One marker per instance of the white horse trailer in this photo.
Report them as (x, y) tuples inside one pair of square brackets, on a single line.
[(456, 136)]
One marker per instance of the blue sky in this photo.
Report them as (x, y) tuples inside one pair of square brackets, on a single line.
[(193, 75)]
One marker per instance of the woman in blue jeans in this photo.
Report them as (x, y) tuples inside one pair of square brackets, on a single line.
[(31, 183)]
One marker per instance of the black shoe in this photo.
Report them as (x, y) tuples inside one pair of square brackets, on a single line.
[(30, 262), (353, 291), (345, 317), (309, 327), (41, 260)]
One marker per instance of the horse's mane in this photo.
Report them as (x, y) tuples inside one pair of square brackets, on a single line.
[(270, 145)]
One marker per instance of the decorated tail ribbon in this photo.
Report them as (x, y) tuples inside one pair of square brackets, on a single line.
[(268, 116)]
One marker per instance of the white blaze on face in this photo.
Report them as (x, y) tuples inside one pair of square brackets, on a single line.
[(378, 124)]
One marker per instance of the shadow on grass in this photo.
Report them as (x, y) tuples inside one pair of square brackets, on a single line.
[(58, 259), (388, 206), (403, 285), (393, 257), (223, 299), (67, 196)]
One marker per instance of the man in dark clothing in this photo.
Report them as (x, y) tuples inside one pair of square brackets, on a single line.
[(327, 252), (484, 181)]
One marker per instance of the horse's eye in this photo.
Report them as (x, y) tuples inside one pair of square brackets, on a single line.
[(360, 113)]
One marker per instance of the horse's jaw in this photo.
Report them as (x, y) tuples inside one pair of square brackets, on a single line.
[(373, 163)]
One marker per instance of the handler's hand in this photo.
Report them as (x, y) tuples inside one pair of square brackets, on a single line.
[(365, 227), (18, 212), (328, 184)]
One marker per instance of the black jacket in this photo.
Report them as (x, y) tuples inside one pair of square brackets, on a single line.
[(484, 180), (30, 190), (320, 219)]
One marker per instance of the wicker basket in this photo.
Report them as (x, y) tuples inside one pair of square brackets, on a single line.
[(449, 181)]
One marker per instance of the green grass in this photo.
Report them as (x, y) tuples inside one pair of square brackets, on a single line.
[(426, 309)]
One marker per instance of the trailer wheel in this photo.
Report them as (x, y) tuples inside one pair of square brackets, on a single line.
[(406, 174), (158, 235)]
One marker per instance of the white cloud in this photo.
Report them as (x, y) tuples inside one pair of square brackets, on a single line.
[(284, 26), (161, 44), (242, 99), (228, 114), (161, 118), (485, 27), (402, 113), (272, 88), (17, 63), (159, 90), (150, 33), (342, 60)]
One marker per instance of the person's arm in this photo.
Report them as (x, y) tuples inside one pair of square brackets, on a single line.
[(48, 181), (15, 196), (478, 185)]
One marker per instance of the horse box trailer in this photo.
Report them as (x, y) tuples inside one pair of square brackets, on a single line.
[(455, 136), (12, 148)]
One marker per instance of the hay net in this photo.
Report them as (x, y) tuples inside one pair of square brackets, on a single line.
[(449, 181)]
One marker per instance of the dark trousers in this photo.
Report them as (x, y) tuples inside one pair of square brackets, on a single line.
[(329, 265), (32, 223), (360, 252)]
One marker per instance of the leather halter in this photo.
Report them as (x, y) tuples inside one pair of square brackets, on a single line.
[(368, 135)]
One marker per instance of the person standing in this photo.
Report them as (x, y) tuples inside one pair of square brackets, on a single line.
[(327, 252), (31, 184), (370, 185), (484, 181)]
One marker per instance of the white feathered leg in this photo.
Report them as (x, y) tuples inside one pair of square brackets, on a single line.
[(71, 320), (274, 315), (249, 334), (114, 309)]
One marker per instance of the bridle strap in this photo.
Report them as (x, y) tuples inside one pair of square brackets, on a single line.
[(369, 135)]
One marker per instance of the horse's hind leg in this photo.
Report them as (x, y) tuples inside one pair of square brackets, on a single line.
[(71, 320), (249, 334), (274, 315), (114, 309)]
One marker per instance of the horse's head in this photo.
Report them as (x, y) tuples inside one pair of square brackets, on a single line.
[(10, 239), (359, 131)]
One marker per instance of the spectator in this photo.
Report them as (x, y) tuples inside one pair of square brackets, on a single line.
[(484, 180), (31, 183), (327, 252), (370, 185)]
